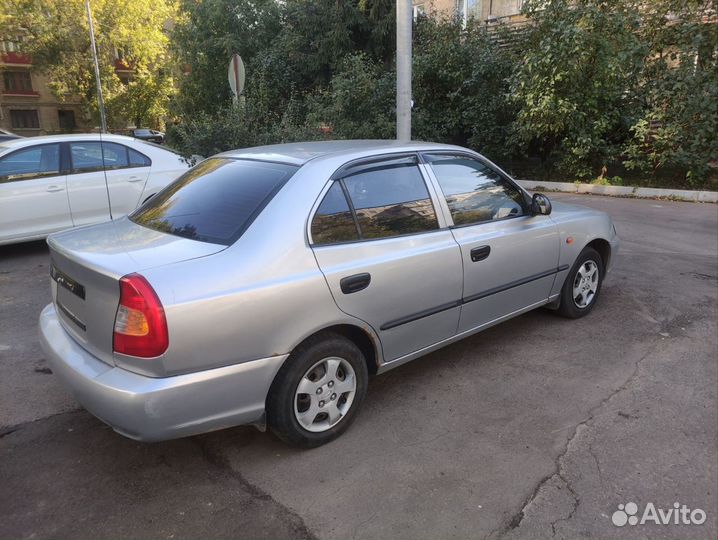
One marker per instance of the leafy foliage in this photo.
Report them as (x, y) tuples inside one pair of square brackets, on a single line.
[(574, 86), (593, 89), (56, 35), (679, 91)]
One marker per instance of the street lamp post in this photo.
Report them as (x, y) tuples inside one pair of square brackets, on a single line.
[(404, 22), (100, 101)]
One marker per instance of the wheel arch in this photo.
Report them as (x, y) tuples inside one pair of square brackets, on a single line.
[(603, 247), (367, 342)]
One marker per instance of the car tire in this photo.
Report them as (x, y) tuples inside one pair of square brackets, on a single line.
[(302, 406), (582, 286)]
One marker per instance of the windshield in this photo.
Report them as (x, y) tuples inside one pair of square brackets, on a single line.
[(216, 200)]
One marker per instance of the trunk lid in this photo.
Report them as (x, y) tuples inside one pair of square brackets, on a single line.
[(87, 264)]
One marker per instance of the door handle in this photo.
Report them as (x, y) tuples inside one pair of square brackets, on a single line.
[(134, 179), (355, 283), (480, 253), (52, 189)]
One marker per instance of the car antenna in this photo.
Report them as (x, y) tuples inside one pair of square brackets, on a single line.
[(104, 171)]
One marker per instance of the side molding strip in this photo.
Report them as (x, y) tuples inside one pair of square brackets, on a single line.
[(438, 309)]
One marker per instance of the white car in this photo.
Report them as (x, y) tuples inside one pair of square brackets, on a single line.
[(56, 182)]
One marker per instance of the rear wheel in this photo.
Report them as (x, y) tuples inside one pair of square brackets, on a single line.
[(318, 391), (583, 285)]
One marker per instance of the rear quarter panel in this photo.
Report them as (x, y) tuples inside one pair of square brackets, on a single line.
[(259, 298)]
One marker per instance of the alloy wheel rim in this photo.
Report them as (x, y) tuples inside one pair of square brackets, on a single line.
[(325, 394), (585, 284)]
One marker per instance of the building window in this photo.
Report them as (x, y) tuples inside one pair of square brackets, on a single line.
[(67, 120), (24, 119), (17, 81)]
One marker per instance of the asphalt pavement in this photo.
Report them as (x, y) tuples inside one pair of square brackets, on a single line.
[(537, 428)]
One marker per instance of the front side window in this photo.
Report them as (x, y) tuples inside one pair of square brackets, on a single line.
[(86, 156), (216, 200), (34, 162), (391, 199), (474, 191), (333, 221)]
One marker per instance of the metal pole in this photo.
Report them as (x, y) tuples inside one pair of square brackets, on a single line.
[(100, 101), (404, 22)]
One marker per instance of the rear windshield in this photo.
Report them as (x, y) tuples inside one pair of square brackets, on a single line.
[(215, 201)]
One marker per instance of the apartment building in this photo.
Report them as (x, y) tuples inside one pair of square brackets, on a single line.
[(485, 10), (27, 106)]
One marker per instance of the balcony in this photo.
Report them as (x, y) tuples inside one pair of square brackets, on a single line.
[(15, 59), (21, 93)]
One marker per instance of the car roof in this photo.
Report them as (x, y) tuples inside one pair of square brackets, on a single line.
[(45, 139), (302, 152)]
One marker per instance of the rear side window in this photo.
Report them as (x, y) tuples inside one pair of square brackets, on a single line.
[(215, 201), (137, 159), (333, 221), (391, 199), (33, 162)]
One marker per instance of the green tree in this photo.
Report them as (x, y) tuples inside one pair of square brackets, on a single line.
[(676, 131), (56, 35), (460, 85), (359, 102), (575, 87), (207, 33)]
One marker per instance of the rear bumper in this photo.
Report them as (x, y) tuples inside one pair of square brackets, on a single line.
[(153, 409)]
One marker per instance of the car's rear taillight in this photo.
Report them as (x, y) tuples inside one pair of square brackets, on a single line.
[(140, 324)]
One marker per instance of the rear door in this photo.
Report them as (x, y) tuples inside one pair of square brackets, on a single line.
[(126, 171), (86, 186), (387, 256), (509, 257), (33, 194)]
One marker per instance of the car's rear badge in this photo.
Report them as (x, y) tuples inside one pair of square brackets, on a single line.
[(67, 282)]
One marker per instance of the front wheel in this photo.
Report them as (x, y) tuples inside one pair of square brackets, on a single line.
[(318, 391), (583, 285)]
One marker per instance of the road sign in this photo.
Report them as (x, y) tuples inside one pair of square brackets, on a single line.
[(235, 74)]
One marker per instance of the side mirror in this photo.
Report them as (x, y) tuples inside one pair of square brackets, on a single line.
[(540, 205)]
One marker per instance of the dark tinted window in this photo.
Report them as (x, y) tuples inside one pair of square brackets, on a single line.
[(41, 160), (474, 191), (115, 155), (86, 156), (137, 159), (215, 201), (391, 199), (333, 222)]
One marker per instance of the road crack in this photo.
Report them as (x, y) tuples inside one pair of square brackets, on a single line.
[(217, 460), (559, 471)]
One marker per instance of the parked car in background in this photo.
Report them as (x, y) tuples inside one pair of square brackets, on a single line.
[(56, 182), (266, 284), (146, 134), (6, 135)]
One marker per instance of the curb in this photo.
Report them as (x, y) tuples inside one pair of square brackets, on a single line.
[(623, 191)]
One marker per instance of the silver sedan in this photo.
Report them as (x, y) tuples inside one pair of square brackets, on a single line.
[(266, 285)]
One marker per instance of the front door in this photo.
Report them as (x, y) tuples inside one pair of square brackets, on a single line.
[(386, 255), (510, 257)]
